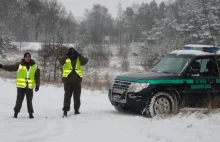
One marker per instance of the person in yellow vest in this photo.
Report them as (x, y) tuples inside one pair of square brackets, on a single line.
[(72, 76), (27, 79)]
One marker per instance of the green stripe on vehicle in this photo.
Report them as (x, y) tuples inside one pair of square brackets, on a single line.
[(130, 79), (158, 81), (164, 81), (171, 81), (217, 80)]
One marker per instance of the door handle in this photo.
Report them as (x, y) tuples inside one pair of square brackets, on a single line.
[(211, 81)]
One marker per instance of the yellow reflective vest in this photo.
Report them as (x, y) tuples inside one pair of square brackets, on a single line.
[(67, 68), (25, 77)]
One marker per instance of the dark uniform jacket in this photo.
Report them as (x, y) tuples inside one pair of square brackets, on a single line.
[(16, 66), (73, 77)]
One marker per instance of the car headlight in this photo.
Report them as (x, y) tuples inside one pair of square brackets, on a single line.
[(137, 87)]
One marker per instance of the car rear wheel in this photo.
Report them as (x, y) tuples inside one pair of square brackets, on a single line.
[(161, 104)]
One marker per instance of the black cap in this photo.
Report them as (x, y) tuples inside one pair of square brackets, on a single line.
[(27, 54), (71, 51)]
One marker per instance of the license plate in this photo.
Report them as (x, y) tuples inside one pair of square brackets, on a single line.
[(118, 90), (116, 98)]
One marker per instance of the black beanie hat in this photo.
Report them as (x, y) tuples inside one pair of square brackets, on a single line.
[(71, 51), (27, 54)]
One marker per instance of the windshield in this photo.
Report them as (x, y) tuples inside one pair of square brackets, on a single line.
[(172, 64)]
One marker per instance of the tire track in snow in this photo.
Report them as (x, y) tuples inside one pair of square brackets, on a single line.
[(48, 130)]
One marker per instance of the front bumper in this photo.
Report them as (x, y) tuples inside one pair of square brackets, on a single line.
[(125, 97)]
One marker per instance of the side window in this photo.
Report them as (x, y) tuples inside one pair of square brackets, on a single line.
[(208, 67), (203, 63)]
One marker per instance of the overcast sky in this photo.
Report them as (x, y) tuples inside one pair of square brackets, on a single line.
[(78, 6)]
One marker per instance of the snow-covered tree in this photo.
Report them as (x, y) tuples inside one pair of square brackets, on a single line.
[(99, 23), (99, 56), (187, 21), (5, 40), (83, 37), (150, 54)]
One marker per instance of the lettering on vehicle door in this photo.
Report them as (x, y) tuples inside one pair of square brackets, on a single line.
[(201, 84)]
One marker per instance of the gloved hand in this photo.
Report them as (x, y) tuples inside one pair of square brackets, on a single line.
[(37, 88), (1, 65)]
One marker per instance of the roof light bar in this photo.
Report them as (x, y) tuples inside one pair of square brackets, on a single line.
[(204, 48)]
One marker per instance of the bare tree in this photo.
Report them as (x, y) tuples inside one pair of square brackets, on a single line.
[(44, 60), (206, 12), (120, 26), (123, 39), (124, 57), (48, 57), (35, 9), (150, 54), (66, 28), (83, 37), (22, 22), (99, 23), (99, 56)]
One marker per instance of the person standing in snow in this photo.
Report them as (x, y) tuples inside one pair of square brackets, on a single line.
[(27, 78), (72, 77)]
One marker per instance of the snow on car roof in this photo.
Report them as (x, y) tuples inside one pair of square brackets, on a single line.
[(198, 45), (192, 52)]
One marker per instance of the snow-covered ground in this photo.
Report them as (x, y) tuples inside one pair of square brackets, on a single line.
[(98, 122)]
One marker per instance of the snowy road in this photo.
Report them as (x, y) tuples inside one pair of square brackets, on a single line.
[(99, 121)]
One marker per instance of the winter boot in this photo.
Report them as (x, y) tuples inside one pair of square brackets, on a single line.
[(15, 115), (65, 114), (76, 112), (31, 115)]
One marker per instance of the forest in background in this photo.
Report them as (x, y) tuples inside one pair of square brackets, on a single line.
[(158, 27)]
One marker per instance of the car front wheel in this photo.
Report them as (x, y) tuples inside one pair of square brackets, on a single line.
[(161, 104)]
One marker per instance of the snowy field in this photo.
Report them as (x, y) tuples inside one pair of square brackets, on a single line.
[(98, 122)]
